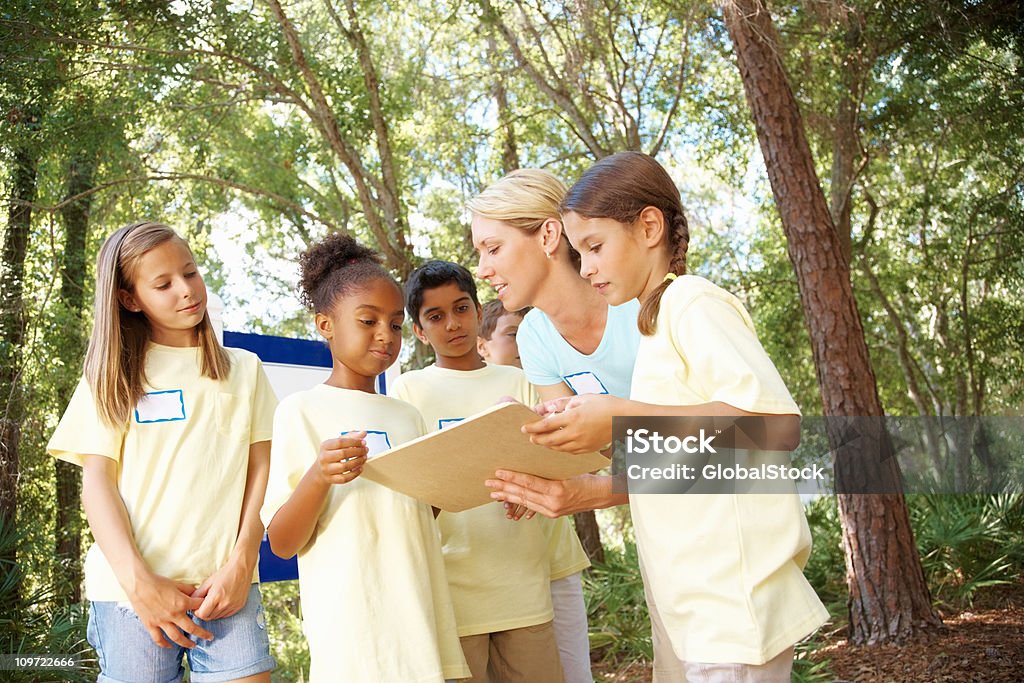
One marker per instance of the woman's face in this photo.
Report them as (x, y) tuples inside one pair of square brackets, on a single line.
[(511, 260)]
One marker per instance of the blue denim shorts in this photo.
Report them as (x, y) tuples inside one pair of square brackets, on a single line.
[(127, 654)]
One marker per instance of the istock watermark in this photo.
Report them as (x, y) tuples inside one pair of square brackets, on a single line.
[(818, 455)]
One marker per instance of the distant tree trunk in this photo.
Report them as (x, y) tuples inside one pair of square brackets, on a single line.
[(590, 535), (12, 334), (889, 599), (509, 152), (845, 148), (80, 172)]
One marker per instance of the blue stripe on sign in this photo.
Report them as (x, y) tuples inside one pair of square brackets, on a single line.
[(274, 568), (281, 349)]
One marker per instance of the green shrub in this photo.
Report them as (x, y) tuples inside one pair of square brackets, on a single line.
[(826, 567), (33, 623), (968, 542), (284, 627), (620, 629)]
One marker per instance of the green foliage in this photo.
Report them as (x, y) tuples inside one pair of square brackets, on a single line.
[(34, 623), (806, 670), (826, 567), (968, 542), (284, 626), (620, 630)]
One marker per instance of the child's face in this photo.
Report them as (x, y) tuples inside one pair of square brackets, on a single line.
[(501, 348), (611, 256), (449, 321), (170, 292), (364, 331), (512, 261)]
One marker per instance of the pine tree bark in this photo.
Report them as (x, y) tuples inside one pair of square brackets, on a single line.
[(68, 538), (509, 151), (889, 599), (590, 535), (12, 336)]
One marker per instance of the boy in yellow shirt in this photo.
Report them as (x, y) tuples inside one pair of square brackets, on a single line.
[(497, 344), (498, 570)]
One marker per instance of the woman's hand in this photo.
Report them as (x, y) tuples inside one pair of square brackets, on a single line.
[(517, 512), (554, 498), (576, 424)]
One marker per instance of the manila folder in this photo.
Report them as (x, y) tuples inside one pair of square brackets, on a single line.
[(447, 468)]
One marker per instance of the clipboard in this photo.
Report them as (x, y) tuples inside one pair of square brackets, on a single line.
[(447, 468)]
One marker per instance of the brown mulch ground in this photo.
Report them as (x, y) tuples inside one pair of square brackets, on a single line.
[(984, 642)]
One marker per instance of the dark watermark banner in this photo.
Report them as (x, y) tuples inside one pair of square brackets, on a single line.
[(818, 455)]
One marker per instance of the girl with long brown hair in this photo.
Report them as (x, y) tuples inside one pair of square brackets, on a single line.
[(173, 432)]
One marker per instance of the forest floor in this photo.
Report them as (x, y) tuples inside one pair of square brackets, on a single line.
[(983, 642)]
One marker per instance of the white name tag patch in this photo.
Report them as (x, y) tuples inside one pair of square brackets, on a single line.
[(585, 383), (446, 422), (161, 406), (377, 442)]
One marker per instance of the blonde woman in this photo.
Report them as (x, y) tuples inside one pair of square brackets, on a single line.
[(572, 342)]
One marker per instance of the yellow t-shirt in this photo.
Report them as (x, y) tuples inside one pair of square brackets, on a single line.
[(497, 569), (182, 462), (375, 600), (725, 571)]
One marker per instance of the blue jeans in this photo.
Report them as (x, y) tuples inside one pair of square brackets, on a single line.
[(127, 654)]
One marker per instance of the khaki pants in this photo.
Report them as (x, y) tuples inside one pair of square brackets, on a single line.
[(519, 655)]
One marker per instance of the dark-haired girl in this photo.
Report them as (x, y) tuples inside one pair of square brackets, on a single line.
[(375, 600), (722, 572)]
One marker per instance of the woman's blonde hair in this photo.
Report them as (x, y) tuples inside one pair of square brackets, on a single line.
[(115, 360), (524, 199)]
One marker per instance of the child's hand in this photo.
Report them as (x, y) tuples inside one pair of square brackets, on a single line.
[(342, 458), (161, 605), (576, 424), (225, 592)]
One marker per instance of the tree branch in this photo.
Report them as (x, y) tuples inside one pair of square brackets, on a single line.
[(157, 177), (581, 127), (328, 125)]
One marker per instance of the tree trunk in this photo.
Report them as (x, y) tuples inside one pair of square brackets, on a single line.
[(590, 535), (844, 152), (889, 599), (509, 152), (68, 539), (12, 336)]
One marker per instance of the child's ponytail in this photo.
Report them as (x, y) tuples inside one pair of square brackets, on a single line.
[(620, 187), (678, 237), (334, 266)]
